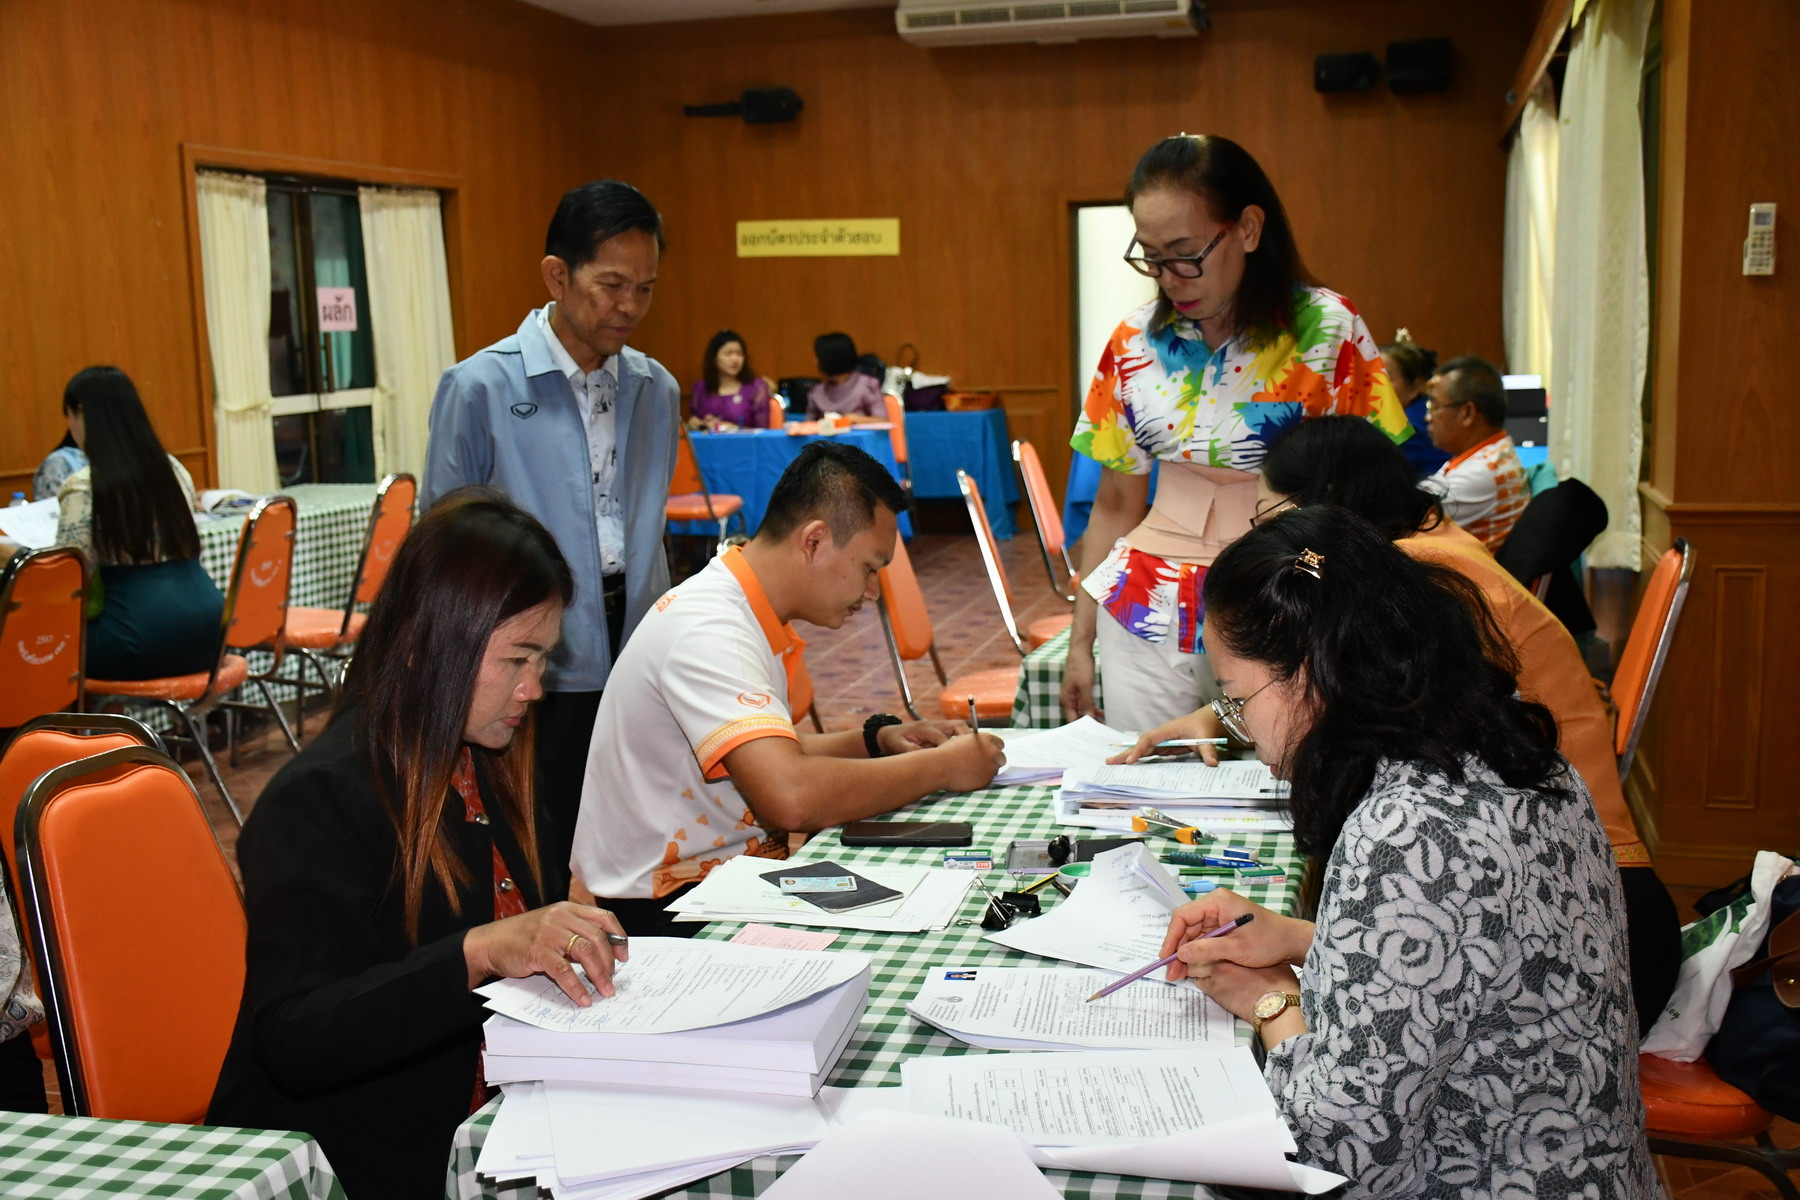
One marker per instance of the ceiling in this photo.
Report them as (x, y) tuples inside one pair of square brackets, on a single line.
[(644, 12)]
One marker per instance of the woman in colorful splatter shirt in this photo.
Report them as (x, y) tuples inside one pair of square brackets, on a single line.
[(1237, 347)]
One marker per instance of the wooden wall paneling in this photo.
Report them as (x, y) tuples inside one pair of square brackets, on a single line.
[(1397, 201), (1740, 641), (101, 96)]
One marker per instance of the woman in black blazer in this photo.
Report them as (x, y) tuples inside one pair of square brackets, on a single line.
[(394, 865)]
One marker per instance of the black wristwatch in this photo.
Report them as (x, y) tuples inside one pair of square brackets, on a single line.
[(872, 729)]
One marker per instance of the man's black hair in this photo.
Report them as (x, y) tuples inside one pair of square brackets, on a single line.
[(1471, 380), (595, 212), (838, 484)]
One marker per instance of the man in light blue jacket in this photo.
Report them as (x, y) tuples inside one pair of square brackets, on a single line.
[(580, 431)]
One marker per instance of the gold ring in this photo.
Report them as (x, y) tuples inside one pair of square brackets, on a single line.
[(573, 938)]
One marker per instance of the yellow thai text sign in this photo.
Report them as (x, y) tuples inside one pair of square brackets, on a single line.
[(818, 239)]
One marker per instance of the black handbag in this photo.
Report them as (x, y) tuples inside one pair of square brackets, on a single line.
[(1757, 1047)]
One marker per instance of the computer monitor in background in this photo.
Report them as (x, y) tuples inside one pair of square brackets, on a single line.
[(1527, 410)]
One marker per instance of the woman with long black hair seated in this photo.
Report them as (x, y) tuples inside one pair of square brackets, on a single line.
[(1342, 461), (394, 865), (1461, 1023), (152, 608)]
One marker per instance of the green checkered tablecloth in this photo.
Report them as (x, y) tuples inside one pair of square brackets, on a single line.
[(1039, 702), (334, 520), (70, 1158), (888, 1035)]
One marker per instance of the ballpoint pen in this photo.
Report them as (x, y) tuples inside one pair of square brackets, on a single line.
[(974, 721), (1138, 974)]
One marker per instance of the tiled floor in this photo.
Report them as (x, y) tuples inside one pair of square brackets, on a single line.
[(853, 677)]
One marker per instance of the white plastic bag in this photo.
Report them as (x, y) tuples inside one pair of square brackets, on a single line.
[(1710, 948)]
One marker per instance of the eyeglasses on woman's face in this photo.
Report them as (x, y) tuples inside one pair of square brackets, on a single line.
[(1231, 713), (1182, 266)]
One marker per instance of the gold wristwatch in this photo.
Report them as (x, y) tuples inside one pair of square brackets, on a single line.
[(1270, 1005)]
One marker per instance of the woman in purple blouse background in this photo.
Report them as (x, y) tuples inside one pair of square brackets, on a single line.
[(721, 397)]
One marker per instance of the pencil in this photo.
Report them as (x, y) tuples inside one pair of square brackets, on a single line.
[(1138, 974)]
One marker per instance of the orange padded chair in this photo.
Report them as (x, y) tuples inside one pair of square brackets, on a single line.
[(44, 744), (777, 411), (896, 417), (255, 614), (1041, 630), (43, 634), (1045, 517), (319, 635), (95, 837), (800, 693), (909, 638), (1692, 1113), (690, 501), (1647, 648)]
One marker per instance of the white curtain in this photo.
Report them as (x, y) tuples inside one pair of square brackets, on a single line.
[(1600, 306), (234, 271), (1527, 274), (409, 311)]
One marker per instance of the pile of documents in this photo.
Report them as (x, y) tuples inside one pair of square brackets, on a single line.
[(710, 1016), (1237, 796), (735, 890), (1042, 755), (1200, 1115)]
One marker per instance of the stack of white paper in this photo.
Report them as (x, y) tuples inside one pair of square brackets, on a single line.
[(1115, 920), (1237, 796), (1040, 755), (1204, 1116), (1047, 1008), (735, 891), (711, 1016), (32, 525)]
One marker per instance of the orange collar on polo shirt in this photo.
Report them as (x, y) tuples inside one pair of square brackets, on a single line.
[(783, 641), (1483, 444)]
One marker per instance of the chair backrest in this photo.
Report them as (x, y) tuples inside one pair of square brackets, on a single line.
[(990, 554), (1647, 647), (800, 688), (777, 411), (688, 480), (43, 631), (140, 1013), (1037, 493), (903, 605), (52, 741), (896, 415), (389, 522), (256, 603)]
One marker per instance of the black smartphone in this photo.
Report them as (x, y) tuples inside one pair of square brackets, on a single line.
[(907, 833)]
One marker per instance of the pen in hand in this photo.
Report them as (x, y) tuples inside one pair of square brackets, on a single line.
[(974, 721), (1160, 963)]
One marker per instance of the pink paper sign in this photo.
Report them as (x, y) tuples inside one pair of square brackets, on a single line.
[(337, 310)]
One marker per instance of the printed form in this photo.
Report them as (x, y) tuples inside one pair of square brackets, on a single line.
[(672, 984), (1045, 1008), (1116, 920)]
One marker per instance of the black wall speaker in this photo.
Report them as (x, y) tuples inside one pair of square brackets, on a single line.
[(1421, 66), (1345, 72), (758, 106)]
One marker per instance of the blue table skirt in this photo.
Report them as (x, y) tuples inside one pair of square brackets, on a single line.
[(941, 443), (1084, 481), (749, 462)]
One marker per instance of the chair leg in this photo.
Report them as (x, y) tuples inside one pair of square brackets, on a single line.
[(813, 712), (287, 730), (1767, 1160), (197, 728)]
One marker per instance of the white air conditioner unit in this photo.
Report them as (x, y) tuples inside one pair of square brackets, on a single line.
[(973, 23)]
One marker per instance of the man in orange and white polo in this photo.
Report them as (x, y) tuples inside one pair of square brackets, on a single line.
[(695, 757), (1483, 485)]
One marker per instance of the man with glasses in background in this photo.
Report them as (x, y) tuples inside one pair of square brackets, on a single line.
[(1483, 485)]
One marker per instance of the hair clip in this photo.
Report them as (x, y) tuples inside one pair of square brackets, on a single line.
[(1310, 561)]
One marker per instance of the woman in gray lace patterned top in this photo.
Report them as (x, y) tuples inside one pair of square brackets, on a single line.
[(1461, 1021)]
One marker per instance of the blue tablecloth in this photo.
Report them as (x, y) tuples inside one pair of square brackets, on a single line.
[(941, 443), (749, 462)]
